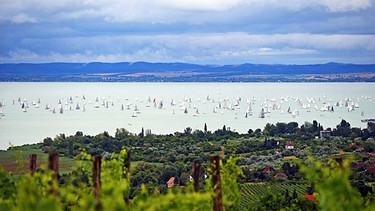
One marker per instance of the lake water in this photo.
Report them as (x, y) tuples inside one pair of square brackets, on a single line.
[(161, 107)]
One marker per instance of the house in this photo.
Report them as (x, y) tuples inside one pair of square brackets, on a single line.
[(281, 176), (356, 165), (289, 145), (309, 197), (170, 182), (268, 170), (325, 133), (359, 149)]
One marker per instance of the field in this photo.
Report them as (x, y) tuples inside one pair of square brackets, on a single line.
[(8, 159), (254, 191)]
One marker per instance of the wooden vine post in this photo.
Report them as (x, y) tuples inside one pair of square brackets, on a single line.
[(196, 171), (53, 164), (216, 182), (96, 176), (32, 164), (127, 176)]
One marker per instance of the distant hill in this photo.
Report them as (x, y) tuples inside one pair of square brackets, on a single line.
[(176, 72)]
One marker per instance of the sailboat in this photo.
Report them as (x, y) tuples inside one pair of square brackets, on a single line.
[(261, 114), (161, 104), (173, 103), (249, 111), (196, 113), (136, 109)]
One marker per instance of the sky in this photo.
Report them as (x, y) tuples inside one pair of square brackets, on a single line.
[(191, 31)]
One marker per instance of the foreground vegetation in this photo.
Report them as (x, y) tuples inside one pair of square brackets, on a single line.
[(334, 172)]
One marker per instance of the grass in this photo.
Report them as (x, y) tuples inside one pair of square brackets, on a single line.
[(8, 159), (254, 191)]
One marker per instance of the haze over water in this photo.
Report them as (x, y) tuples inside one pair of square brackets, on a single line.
[(97, 107)]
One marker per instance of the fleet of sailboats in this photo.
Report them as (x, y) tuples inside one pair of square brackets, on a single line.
[(267, 106)]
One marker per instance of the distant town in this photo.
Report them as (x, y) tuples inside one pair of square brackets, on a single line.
[(184, 72)]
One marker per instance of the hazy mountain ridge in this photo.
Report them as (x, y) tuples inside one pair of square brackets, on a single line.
[(145, 71)]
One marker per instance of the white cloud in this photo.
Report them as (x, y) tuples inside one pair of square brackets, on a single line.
[(198, 48), (223, 5), (330, 5), (23, 18), (160, 10), (346, 5), (201, 5)]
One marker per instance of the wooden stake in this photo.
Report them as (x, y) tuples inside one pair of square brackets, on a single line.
[(96, 176), (127, 176), (32, 164), (196, 171), (216, 182), (128, 163), (53, 164)]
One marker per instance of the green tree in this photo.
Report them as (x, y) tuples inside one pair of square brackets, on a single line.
[(343, 129), (71, 148), (142, 134), (333, 186), (121, 133)]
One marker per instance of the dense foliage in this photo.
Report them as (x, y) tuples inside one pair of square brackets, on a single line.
[(163, 156), (272, 169)]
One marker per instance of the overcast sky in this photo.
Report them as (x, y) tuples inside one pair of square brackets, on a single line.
[(193, 31)]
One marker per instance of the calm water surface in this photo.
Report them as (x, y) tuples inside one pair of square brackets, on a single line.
[(96, 107)]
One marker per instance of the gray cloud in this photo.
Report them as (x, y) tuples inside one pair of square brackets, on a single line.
[(216, 47), (204, 31)]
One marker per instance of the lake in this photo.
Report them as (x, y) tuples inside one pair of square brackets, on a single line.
[(31, 112)]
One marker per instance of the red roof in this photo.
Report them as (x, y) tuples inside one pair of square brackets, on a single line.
[(372, 170), (309, 197), (171, 180), (267, 169)]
